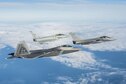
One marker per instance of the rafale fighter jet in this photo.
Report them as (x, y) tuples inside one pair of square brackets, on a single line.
[(22, 51), (46, 39), (77, 40)]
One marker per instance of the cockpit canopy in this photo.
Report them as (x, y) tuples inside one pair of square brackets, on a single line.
[(104, 37), (59, 34), (66, 46)]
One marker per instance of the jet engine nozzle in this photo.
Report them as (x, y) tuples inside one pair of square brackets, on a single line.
[(74, 42), (11, 54)]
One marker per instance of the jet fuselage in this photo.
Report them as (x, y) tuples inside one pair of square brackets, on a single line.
[(46, 52)]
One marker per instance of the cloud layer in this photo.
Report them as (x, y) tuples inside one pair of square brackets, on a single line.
[(10, 36), (95, 78), (82, 60)]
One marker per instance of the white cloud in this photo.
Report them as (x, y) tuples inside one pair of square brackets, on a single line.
[(93, 77), (12, 34), (79, 59)]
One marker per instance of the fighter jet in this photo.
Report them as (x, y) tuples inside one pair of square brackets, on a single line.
[(46, 39), (22, 51), (78, 40)]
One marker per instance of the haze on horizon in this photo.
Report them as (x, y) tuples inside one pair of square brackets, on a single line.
[(23, 11)]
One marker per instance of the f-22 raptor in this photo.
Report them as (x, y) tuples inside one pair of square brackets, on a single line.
[(78, 40), (42, 40), (22, 51)]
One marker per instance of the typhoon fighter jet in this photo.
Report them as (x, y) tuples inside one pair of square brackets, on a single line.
[(46, 39), (78, 40), (22, 51)]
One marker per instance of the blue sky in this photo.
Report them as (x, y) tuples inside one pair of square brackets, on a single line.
[(62, 10), (57, 1)]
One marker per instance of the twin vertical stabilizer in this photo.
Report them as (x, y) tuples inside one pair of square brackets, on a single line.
[(22, 49)]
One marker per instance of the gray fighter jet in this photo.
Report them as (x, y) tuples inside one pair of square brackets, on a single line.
[(78, 40), (46, 39), (22, 51)]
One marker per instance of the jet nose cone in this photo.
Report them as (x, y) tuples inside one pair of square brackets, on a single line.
[(108, 39), (111, 39), (69, 49)]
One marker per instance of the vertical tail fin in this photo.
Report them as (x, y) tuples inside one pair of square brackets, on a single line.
[(22, 49), (34, 36), (74, 37)]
